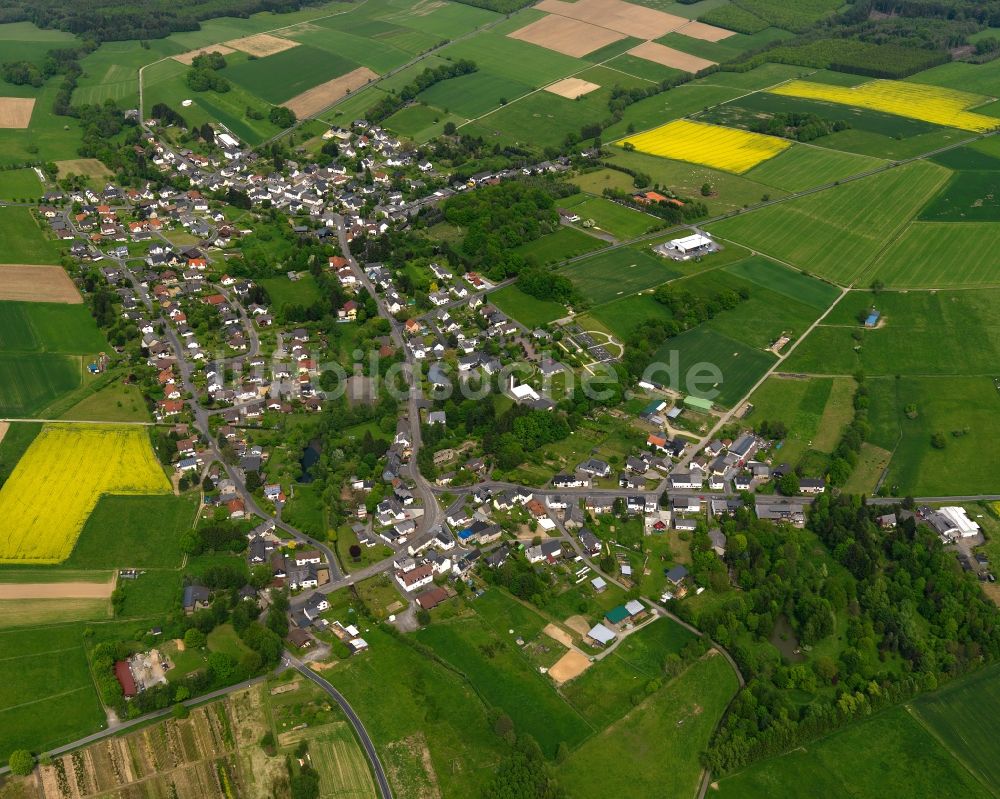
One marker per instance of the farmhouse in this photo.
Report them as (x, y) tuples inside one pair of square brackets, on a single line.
[(599, 635)]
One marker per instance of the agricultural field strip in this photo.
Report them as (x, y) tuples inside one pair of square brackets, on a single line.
[(937, 736)]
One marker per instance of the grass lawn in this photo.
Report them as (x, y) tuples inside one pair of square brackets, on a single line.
[(623, 271), (838, 232), (596, 181), (134, 532), (283, 291), (554, 247), (47, 696), (305, 509), (619, 221), (529, 311), (666, 734), (907, 761), (739, 364), (21, 238), (20, 184)]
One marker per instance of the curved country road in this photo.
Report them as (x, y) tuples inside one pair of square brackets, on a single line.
[(359, 728)]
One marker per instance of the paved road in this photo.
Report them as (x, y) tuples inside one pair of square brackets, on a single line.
[(123, 726), (359, 728)]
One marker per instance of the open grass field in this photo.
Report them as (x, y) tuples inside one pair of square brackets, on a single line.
[(419, 749), (49, 327), (793, 285), (529, 311), (284, 75), (30, 382), (47, 696), (921, 333), (939, 255), (164, 83), (971, 195), (907, 761), (521, 62), (22, 240), (964, 409), (666, 734), (607, 276), (939, 106), (836, 233), (473, 95), (283, 291), (19, 184), (619, 221), (312, 101), (116, 402), (814, 410), (739, 364), (976, 78), (802, 167), (565, 243), (58, 481), (604, 692), (134, 532), (963, 717), (714, 146), (507, 679)]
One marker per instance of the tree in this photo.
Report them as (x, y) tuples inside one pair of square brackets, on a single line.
[(180, 711), (194, 638), (423, 617), (706, 189), (938, 441), (21, 762), (789, 484), (449, 128), (355, 552)]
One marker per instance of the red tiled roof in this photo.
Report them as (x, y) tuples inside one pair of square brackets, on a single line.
[(125, 678)]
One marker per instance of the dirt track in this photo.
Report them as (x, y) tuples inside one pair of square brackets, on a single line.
[(33, 283), (56, 590)]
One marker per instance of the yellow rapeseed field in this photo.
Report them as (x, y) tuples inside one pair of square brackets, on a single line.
[(709, 145), (932, 104), (56, 484)]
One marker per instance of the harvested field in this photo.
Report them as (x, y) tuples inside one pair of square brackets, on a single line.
[(87, 167), (627, 18), (570, 665), (34, 283), (56, 590), (571, 88), (707, 33), (15, 112), (578, 624), (572, 37), (4, 427), (558, 634), (669, 57), (261, 44), (317, 98), (189, 56)]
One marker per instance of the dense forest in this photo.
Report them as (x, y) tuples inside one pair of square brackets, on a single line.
[(111, 20), (906, 618)]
